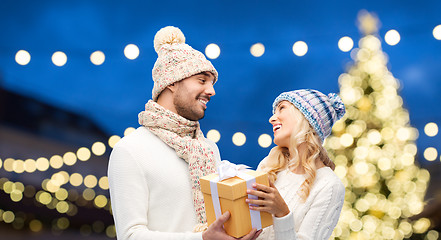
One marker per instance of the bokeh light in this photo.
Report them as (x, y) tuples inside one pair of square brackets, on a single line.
[(69, 158), (431, 129), (214, 135), (100, 201), (113, 140), (97, 57), (22, 57), (30, 165), (432, 235), (59, 59), (131, 51), (110, 231), (56, 161), (90, 181), (61, 194), (8, 216), (239, 139), (42, 164), (300, 48), (63, 223), (83, 154), (257, 50), (212, 51), (18, 166), (345, 44), (35, 225), (8, 164), (98, 148), (104, 183), (430, 154), (437, 32), (346, 140), (76, 179), (62, 207), (265, 140), (128, 131), (88, 194), (392, 37)]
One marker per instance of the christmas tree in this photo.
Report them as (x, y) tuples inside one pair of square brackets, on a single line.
[(374, 149)]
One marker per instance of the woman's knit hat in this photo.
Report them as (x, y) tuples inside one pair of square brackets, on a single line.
[(320, 110), (176, 60)]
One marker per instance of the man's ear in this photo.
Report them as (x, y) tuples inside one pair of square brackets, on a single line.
[(172, 87)]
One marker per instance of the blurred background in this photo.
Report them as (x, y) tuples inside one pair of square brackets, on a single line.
[(75, 75)]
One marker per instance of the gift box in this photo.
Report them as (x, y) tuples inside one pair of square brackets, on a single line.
[(230, 196)]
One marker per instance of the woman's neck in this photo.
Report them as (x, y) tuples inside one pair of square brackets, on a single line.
[(302, 151)]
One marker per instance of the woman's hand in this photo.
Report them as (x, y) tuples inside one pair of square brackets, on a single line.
[(269, 200)]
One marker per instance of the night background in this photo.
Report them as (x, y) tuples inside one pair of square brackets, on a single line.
[(58, 123)]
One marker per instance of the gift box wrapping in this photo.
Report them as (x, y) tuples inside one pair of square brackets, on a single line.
[(232, 194)]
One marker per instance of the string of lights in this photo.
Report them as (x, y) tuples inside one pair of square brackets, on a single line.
[(212, 50), (53, 195)]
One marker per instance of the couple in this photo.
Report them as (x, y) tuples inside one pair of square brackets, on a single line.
[(154, 172)]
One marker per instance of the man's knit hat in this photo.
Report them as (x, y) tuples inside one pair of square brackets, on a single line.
[(320, 110), (176, 60)]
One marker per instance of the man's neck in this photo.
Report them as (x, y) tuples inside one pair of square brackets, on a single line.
[(166, 101)]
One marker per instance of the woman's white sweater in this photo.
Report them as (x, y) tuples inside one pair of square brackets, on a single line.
[(314, 219)]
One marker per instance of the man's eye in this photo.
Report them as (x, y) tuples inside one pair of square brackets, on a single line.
[(202, 80)]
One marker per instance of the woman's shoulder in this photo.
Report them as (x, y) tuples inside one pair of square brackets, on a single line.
[(326, 177), (262, 163)]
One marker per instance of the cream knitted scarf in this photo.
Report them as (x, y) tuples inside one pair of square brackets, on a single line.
[(187, 139)]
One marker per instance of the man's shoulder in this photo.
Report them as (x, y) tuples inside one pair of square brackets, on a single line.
[(211, 143), (140, 137)]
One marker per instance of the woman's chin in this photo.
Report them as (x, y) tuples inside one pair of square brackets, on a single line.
[(280, 143)]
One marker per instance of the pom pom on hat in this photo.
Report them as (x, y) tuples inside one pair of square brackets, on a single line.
[(168, 35), (337, 104)]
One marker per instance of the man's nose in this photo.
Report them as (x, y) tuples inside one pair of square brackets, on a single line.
[(209, 90)]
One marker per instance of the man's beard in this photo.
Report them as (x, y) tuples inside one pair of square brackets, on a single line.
[(186, 108)]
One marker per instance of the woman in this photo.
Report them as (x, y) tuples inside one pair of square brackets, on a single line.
[(306, 197)]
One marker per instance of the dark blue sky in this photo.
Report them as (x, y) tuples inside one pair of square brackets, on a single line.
[(112, 94)]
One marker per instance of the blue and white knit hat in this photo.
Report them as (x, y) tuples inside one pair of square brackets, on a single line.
[(320, 110)]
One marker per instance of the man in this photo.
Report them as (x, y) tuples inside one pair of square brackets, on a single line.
[(154, 172)]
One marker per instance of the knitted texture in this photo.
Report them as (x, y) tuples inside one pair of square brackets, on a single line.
[(315, 218), (187, 139), (176, 60), (320, 110)]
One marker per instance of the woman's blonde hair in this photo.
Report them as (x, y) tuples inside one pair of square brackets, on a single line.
[(279, 157)]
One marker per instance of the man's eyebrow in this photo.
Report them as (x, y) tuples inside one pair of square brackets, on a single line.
[(205, 74)]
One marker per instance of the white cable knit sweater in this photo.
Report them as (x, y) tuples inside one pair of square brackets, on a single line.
[(150, 189), (316, 218)]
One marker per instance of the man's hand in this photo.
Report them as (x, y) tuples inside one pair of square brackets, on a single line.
[(216, 230)]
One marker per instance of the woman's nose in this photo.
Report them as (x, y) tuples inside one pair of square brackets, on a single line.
[(272, 118)]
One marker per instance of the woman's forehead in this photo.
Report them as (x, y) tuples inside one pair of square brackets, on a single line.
[(283, 102)]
